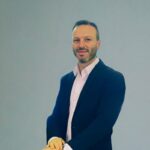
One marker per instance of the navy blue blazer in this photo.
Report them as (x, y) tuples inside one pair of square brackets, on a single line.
[(96, 112)]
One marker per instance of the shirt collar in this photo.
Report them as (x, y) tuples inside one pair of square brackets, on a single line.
[(86, 71)]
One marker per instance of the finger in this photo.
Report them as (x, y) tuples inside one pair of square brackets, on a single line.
[(59, 144), (51, 145), (52, 148), (56, 145), (63, 142)]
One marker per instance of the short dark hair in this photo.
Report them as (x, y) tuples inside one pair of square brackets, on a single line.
[(86, 22)]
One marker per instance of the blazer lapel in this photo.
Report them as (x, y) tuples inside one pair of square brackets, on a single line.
[(92, 84), (69, 85)]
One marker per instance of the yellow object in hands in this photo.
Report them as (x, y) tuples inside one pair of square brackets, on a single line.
[(56, 143)]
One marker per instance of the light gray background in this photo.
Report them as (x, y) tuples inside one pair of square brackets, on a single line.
[(35, 51)]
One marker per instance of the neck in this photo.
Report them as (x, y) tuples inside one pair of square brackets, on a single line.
[(84, 65)]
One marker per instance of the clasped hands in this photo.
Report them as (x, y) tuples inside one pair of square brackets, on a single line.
[(55, 144)]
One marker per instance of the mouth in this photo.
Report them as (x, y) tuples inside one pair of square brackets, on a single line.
[(82, 51)]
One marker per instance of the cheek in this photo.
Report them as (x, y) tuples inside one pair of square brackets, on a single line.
[(74, 46), (94, 46)]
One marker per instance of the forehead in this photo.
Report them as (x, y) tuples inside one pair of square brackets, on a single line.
[(84, 30)]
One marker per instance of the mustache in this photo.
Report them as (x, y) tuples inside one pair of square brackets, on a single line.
[(82, 48)]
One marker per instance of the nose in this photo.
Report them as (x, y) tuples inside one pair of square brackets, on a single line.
[(81, 43)]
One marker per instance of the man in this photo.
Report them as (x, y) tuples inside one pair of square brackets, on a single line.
[(89, 99)]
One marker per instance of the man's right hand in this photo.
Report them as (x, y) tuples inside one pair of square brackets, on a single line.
[(56, 143)]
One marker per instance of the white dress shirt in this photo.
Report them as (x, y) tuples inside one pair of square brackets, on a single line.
[(75, 93)]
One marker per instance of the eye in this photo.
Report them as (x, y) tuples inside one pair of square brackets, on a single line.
[(88, 39), (76, 40)]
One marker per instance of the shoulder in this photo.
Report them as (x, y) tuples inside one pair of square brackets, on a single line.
[(114, 79), (67, 76), (113, 74), (108, 72), (110, 76)]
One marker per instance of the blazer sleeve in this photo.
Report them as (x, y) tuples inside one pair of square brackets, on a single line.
[(55, 122), (111, 102)]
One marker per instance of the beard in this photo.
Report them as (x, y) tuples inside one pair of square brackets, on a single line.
[(90, 52)]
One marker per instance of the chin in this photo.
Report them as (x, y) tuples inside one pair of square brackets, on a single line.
[(83, 60), (86, 60)]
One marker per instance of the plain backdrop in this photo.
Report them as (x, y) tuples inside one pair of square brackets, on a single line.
[(35, 51)]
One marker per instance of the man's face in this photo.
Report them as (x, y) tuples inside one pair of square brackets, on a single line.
[(85, 43)]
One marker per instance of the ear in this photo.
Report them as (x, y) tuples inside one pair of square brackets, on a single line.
[(98, 44)]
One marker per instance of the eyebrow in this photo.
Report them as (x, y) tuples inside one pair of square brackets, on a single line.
[(84, 37)]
